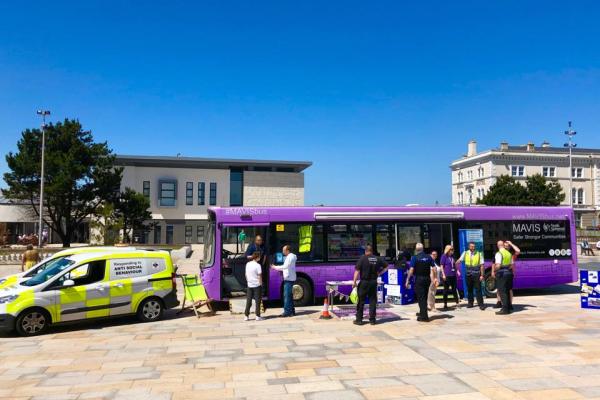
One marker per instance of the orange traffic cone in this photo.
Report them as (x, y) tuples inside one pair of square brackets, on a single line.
[(325, 313)]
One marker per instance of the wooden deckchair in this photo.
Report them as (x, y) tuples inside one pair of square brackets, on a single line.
[(195, 292)]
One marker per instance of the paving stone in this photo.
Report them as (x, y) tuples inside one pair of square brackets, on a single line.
[(532, 384), (335, 371), (335, 394), (371, 382), (283, 381), (437, 384)]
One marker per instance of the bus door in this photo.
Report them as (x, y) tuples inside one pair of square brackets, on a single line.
[(236, 240)]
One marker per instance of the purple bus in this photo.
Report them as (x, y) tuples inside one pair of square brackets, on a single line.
[(329, 240)]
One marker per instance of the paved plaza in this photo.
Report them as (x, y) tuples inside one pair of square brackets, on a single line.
[(547, 349)]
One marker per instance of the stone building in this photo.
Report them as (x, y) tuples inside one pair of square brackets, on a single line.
[(181, 189), (475, 172)]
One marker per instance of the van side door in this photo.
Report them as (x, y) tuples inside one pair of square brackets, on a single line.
[(88, 297), (128, 284)]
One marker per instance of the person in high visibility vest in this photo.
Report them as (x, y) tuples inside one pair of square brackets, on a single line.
[(473, 261), (515, 251), (502, 272)]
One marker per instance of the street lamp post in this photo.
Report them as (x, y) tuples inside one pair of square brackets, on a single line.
[(43, 113), (570, 133)]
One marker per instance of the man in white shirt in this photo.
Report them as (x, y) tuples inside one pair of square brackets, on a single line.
[(289, 277), (254, 290)]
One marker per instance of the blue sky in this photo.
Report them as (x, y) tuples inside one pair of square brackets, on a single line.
[(381, 97)]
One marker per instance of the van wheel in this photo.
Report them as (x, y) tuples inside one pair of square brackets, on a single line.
[(150, 309), (33, 321), (302, 292), (489, 285)]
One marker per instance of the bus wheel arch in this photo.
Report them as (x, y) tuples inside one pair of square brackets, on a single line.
[(303, 290)]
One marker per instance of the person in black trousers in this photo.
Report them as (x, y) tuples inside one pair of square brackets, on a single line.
[(368, 268), (423, 267)]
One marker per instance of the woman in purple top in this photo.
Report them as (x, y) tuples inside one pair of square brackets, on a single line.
[(449, 274)]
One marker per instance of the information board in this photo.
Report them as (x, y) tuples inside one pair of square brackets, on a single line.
[(590, 288)]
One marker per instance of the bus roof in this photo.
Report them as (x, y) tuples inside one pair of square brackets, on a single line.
[(263, 215)]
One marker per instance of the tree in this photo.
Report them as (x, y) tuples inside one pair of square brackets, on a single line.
[(543, 192), (505, 192), (132, 207), (537, 191), (106, 225), (79, 175)]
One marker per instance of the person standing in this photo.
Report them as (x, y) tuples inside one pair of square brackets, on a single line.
[(423, 267), (30, 258), (502, 272), (242, 239), (289, 278), (473, 261), (449, 274), (368, 268), (508, 245), (434, 283), (254, 290), (258, 246)]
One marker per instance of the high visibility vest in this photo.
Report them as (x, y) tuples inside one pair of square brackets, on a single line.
[(305, 238), (506, 257), (472, 261)]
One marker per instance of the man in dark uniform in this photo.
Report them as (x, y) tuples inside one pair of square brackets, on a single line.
[(368, 268), (423, 267)]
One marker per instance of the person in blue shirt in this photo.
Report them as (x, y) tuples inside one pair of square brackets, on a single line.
[(423, 267), (257, 247)]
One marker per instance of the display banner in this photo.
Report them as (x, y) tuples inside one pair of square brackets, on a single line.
[(466, 236), (542, 239), (590, 289)]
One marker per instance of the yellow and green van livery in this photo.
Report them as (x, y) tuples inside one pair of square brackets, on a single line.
[(45, 263), (92, 285)]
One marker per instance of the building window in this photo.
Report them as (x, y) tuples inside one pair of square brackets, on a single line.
[(578, 196), (469, 175), (189, 193), (517, 170), (157, 234), (168, 194), (549, 172), (460, 197), (169, 239), (188, 234), (460, 176), (213, 194), (577, 172), (236, 187), (480, 172), (578, 220), (200, 234), (146, 189), (201, 190)]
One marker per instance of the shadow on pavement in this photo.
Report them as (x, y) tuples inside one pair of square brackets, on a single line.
[(552, 290)]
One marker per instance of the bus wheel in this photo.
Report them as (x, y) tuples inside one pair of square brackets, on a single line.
[(490, 285), (302, 292), (31, 322)]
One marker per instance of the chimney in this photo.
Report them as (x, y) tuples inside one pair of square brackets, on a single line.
[(504, 146), (530, 147), (472, 148), (546, 144)]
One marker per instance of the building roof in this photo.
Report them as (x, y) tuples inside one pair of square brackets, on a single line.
[(209, 163), (548, 149)]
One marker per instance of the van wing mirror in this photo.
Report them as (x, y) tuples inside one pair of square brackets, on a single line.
[(68, 283)]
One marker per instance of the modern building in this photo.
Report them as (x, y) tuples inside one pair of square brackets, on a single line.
[(181, 189), (475, 172)]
